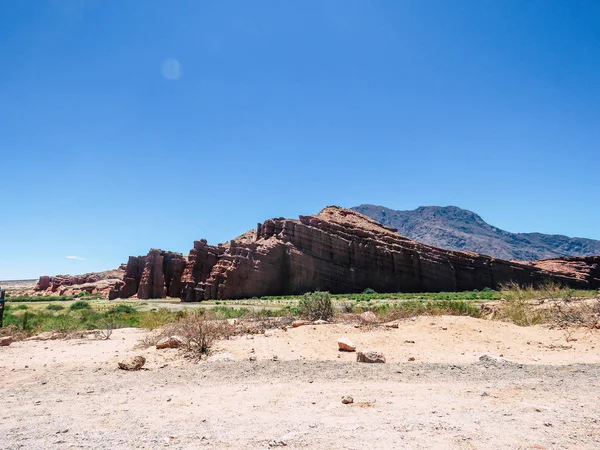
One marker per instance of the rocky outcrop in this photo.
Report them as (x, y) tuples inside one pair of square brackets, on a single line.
[(342, 251), (585, 268), (93, 283), (338, 250), (156, 275)]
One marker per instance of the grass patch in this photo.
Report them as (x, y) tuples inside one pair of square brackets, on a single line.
[(413, 308), (526, 305)]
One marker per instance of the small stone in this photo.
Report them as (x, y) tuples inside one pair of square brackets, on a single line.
[(275, 358), (392, 325), (412, 358), (370, 356), (275, 443), (170, 342), (488, 358), (6, 341), (134, 363), (320, 322), (252, 358), (346, 399), (300, 323), (346, 345)]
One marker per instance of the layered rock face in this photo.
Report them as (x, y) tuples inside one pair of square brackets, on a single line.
[(156, 275), (96, 282), (342, 251), (585, 268), (337, 250)]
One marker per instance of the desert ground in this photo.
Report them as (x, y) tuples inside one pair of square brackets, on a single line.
[(540, 391)]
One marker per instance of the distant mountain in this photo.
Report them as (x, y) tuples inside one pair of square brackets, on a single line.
[(454, 228)]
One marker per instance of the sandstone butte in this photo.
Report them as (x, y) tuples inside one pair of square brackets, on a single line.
[(337, 250)]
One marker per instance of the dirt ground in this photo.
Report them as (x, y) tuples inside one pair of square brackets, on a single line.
[(70, 394)]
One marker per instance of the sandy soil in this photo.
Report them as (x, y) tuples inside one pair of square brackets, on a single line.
[(70, 394)]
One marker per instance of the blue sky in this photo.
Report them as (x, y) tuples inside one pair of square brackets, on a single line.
[(138, 124)]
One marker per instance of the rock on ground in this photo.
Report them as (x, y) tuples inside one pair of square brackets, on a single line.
[(170, 342), (133, 363), (346, 345), (221, 357), (370, 356)]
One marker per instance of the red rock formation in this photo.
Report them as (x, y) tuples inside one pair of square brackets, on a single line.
[(342, 251), (156, 275), (96, 282), (585, 268), (338, 250)]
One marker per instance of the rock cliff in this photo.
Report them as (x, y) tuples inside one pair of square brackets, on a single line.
[(338, 250), (156, 275), (585, 268)]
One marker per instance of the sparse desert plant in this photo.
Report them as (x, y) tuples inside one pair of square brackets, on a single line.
[(369, 291), (348, 307), (79, 304), (316, 306), (107, 326), (584, 313), (199, 330), (521, 311)]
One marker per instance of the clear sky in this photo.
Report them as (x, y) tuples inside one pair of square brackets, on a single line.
[(126, 125)]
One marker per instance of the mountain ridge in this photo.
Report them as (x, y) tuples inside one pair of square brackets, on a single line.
[(454, 228)]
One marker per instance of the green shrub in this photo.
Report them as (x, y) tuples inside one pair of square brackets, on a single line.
[(316, 306), (62, 323), (121, 309), (369, 291), (55, 307), (22, 307), (80, 304)]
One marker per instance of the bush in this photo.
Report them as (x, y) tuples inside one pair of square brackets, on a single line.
[(63, 323), (22, 307), (522, 312), (121, 309), (316, 306), (199, 330), (80, 304), (369, 291), (55, 307)]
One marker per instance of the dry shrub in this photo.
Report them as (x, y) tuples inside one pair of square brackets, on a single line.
[(257, 322), (584, 313), (546, 291), (199, 330), (107, 326), (150, 340), (347, 307), (521, 312), (547, 303)]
